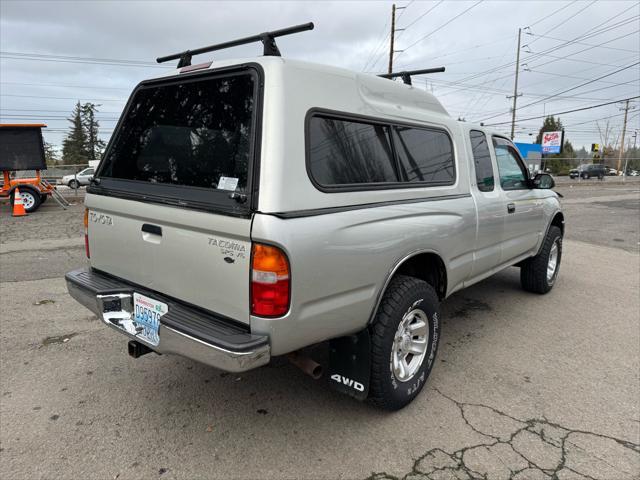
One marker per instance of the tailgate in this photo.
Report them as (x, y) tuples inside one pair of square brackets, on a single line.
[(197, 257)]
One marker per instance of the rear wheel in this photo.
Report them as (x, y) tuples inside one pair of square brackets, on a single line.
[(30, 199), (74, 184), (404, 342), (585, 176), (538, 274)]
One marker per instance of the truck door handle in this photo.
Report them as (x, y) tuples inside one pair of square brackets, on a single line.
[(154, 229), (511, 207)]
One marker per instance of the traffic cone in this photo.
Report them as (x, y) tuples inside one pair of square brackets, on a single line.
[(18, 206)]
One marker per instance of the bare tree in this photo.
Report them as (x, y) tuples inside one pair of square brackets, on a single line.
[(609, 139)]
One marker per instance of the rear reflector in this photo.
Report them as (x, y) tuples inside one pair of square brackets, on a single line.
[(86, 232), (270, 281)]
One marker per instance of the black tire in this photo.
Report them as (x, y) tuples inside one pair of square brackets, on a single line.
[(43, 198), (404, 296), (585, 176), (600, 177), (34, 198), (74, 184), (533, 273)]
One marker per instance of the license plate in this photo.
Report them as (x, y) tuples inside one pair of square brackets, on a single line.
[(146, 317)]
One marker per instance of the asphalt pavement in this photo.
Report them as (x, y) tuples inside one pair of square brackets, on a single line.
[(525, 386)]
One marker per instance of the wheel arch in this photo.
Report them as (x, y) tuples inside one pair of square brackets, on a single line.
[(424, 264), (24, 187), (557, 221)]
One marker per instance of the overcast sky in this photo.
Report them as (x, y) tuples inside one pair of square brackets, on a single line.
[(475, 40)]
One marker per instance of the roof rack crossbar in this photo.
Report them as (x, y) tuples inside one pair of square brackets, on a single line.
[(406, 75), (268, 40)]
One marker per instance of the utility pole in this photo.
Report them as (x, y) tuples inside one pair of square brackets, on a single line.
[(515, 87), (393, 35), (393, 32), (624, 128)]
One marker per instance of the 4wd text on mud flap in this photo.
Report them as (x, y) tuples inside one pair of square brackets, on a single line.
[(348, 382)]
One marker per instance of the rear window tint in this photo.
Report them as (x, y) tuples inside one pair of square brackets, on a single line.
[(194, 134), (482, 161), (426, 156), (345, 152)]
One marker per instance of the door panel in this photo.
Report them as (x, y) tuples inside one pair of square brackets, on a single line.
[(521, 228), (490, 207), (522, 207)]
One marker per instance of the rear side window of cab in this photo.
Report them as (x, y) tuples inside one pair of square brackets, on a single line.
[(348, 153)]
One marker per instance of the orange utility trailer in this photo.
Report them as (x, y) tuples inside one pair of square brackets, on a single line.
[(22, 148)]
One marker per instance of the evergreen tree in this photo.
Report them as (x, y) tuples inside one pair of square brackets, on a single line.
[(74, 149), (583, 154), (550, 124), (94, 146), (557, 163), (50, 154), (567, 150)]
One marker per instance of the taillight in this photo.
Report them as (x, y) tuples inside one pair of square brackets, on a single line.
[(86, 232), (270, 281)]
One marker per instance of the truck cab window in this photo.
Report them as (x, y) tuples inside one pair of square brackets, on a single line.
[(511, 170), (482, 161)]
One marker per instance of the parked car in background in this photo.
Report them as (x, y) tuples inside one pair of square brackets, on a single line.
[(574, 173), (612, 172), (81, 178), (591, 170)]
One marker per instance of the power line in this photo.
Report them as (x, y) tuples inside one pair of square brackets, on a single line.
[(73, 59), (457, 86), (404, 9), (583, 43), (552, 13), (582, 10), (53, 117), (47, 111), (441, 26), (97, 87), (573, 77), (463, 50), (546, 54), (566, 111), (592, 32), (588, 69), (65, 98), (425, 13), (542, 100), (375, 51)]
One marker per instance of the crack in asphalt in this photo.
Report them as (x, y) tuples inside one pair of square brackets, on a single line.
[(532, 449)]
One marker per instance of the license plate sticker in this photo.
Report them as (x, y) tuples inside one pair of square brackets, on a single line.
[(146, 317)]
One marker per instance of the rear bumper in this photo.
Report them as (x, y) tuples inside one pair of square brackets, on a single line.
[(184, 330)]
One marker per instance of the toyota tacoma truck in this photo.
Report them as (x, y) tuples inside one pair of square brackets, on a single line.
[(248, 209)]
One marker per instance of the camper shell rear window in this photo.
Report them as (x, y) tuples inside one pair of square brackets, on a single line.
[(189, 140)]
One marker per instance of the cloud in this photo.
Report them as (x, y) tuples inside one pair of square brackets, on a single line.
[(346, 35)]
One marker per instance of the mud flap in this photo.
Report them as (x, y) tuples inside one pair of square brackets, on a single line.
[(350, 364)]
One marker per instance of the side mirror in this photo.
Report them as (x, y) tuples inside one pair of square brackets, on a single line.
[(543, 181)]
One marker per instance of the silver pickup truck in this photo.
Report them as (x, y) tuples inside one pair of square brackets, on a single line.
[(249, 209)]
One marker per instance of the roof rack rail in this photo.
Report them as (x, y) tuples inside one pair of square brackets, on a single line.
[(406, 75), (268, 39)]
